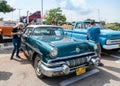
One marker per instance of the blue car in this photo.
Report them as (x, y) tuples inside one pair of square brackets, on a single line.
[(109, 39), (54, 54)]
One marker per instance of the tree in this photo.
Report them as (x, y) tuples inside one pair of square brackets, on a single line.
[(113, 26), (1, 19), (102, 22), (4, 7), (54, 16), (88, 20)]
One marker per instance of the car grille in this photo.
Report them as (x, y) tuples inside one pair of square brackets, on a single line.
[(76, 62), (115, 41), (73, 61)]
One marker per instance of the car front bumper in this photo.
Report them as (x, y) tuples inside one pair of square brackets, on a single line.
[(56, 71), (110, 47), (64, 69)]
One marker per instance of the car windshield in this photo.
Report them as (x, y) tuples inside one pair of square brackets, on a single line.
[(48, 31), (87, 25)]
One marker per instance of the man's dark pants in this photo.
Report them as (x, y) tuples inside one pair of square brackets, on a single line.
[(16, 44)]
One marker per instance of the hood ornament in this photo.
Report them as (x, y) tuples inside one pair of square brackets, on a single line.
[(77, 50)]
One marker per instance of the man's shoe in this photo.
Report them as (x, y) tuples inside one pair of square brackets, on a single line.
[(100, 64), (18, 56), (11, 58)]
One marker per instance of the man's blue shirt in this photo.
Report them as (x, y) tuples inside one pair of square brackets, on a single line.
[(93, 33)]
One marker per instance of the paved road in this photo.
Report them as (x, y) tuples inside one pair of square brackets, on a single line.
[(20, 72)]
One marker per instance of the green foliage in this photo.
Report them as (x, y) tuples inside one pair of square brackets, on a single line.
[(113, 26), (4, 7), (102, 23), (54, 16), (1, 19), (73, 23), (88, 20)]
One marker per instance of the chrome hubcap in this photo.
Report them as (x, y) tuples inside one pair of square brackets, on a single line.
[(38, 70)]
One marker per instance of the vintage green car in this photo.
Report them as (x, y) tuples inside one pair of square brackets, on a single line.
[(54, 54)]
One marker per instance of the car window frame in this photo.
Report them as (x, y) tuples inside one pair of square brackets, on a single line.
[(81, 25), (47, 27), (29, 31)]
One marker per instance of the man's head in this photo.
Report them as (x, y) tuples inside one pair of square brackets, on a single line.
[(19, 25), (92, 22)]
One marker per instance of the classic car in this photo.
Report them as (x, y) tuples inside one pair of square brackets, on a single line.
[(109, 39), (54, 54)]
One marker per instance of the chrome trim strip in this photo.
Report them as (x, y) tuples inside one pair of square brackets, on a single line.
[(36, 50), (53, 64)]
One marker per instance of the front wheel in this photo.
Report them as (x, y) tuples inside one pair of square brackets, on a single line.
[(37, 62)]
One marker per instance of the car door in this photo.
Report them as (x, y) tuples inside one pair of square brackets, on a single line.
[(79, 31), (26, 45)]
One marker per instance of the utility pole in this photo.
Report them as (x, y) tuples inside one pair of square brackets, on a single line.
[(12, 15), (41, 11), (19, 13), (28, 17)]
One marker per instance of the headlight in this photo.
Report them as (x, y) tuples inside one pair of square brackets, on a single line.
[(95, 46), (108, 42), (53, 53)]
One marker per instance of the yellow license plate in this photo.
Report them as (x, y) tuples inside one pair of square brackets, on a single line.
[(80, 70)]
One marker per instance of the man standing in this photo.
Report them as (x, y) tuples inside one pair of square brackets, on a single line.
[(93, 35), (16, 33)]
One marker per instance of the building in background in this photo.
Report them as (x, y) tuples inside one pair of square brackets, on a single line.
[(33, 18)]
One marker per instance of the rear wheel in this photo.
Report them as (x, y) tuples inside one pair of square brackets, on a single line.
[(37, 62)]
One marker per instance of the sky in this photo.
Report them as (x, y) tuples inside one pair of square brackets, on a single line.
[(74, 10)]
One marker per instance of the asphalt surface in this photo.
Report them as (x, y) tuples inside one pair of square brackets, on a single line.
[(20, 72)]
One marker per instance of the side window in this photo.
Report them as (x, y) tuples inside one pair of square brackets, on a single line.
[(28, 31), (37, 32), (40, 31), (79, 26), (87, 25)]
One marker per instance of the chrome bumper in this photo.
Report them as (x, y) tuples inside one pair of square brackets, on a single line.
[(64, 69), (109, 47), (56, 71)]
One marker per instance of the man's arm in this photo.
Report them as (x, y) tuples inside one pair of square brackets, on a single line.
[(88, 34)]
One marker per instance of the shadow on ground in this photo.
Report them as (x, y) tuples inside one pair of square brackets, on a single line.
[(99, 79), (22, 60), (108, 57), (5, 75), (114, 69)]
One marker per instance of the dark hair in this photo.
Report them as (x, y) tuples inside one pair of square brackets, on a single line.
[(92, 22)]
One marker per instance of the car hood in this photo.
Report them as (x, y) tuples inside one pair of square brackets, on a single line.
[(66, 46), (110, 33)]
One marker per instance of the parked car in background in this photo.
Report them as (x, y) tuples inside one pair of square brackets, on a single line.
[(54, 54), (6, 27), (5, 30), (109, 39)]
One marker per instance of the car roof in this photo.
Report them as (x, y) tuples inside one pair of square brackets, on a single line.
[(42, 26), (87, 21)]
